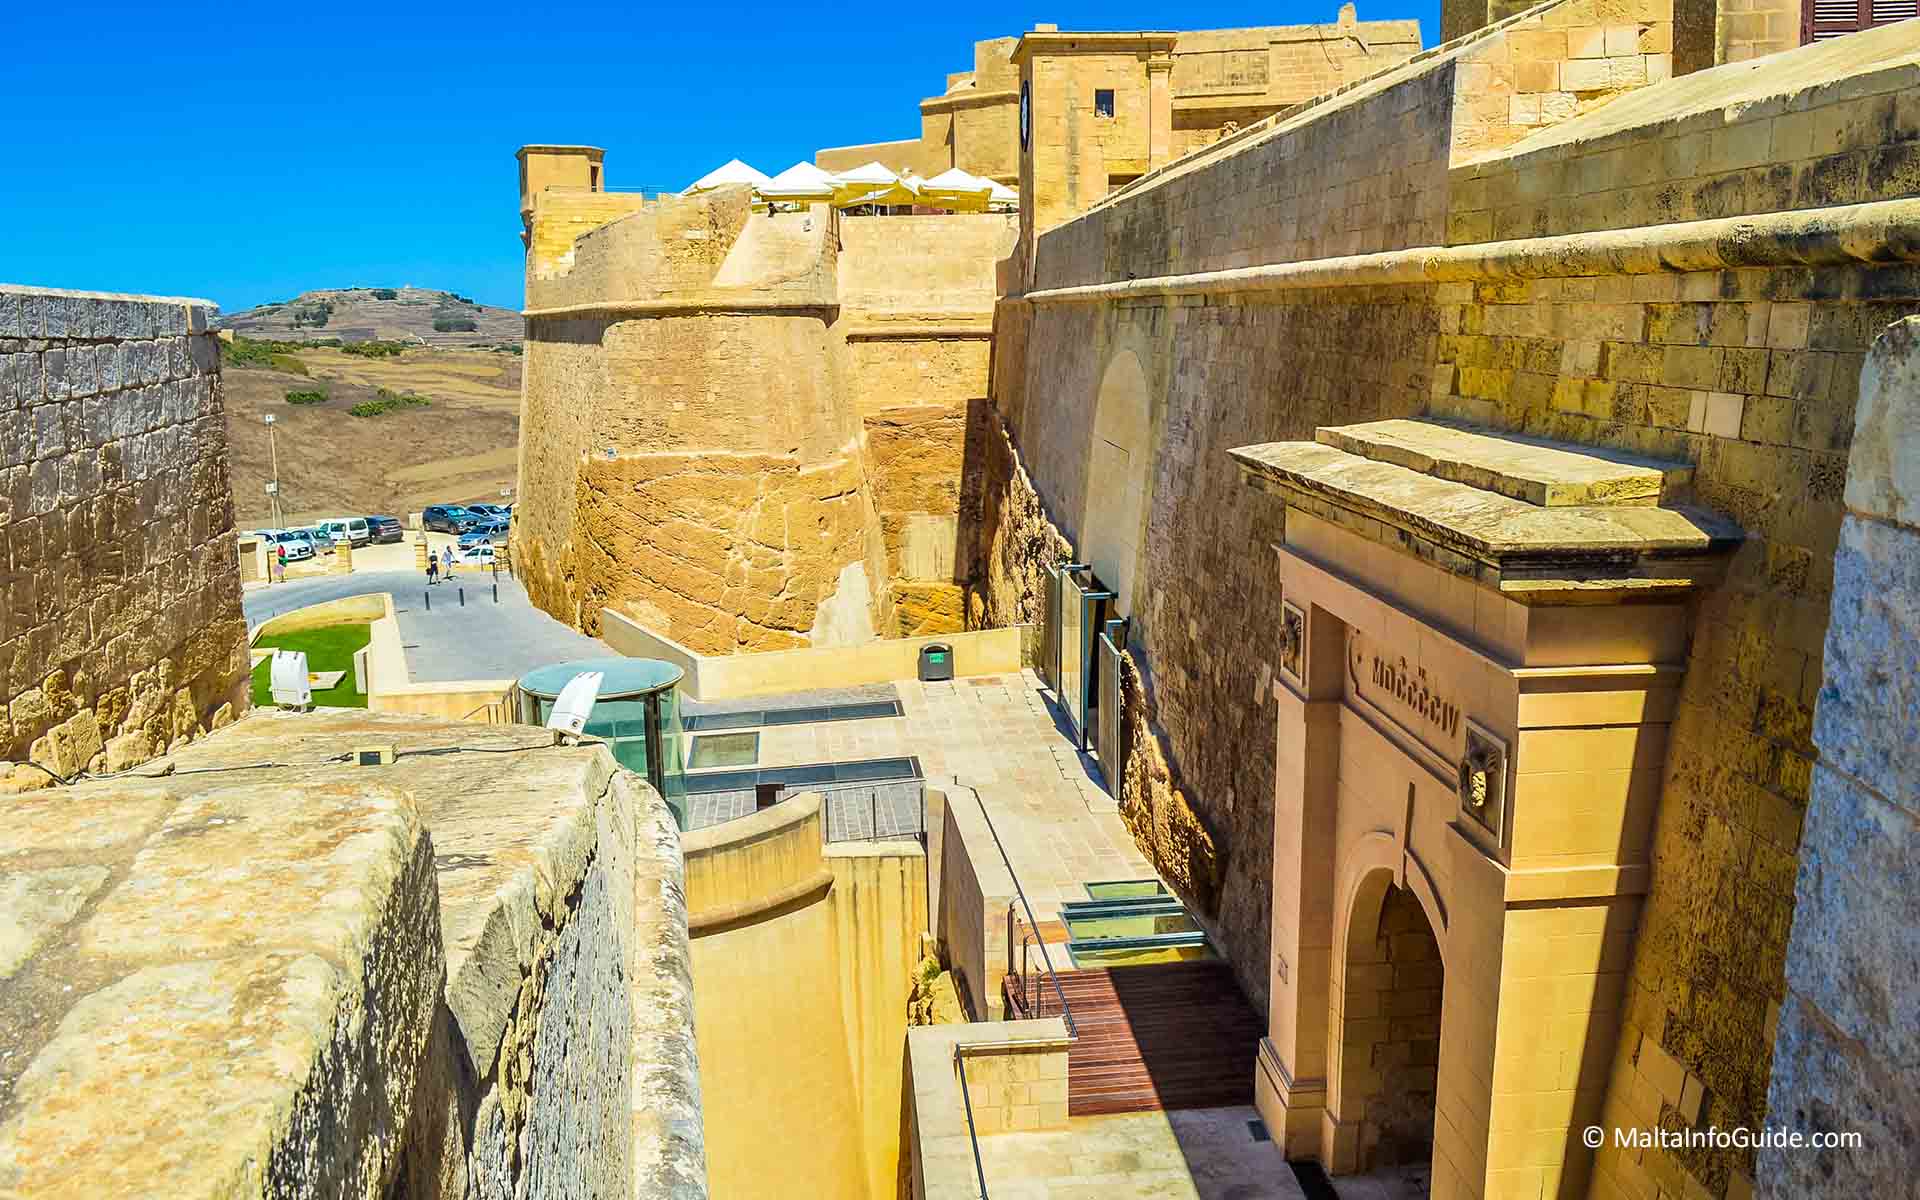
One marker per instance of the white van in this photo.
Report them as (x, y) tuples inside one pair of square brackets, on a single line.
[(351, 530)]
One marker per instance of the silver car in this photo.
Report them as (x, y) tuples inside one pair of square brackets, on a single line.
[(298, 547)]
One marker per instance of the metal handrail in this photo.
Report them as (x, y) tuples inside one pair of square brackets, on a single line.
[(979, 1168), (1066, 1010), (488, 707)]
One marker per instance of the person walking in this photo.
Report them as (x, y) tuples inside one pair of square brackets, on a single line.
[(446, 560), (280, 561), (433, 568)]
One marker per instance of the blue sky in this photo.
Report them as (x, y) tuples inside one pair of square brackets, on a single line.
[(247, 157)]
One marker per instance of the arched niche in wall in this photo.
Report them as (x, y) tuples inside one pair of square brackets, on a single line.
[(1113, 514)]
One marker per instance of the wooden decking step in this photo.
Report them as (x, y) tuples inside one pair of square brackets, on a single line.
[(1160, 1036)]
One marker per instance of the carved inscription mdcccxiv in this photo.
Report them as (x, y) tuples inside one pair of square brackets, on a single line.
[(1409, 687)]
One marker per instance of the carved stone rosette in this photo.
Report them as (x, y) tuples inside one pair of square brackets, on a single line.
[(1293, 643), (1483, 780)]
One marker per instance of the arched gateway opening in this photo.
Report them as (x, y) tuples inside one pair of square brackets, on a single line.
[(1389, 1027), (1471, 717)]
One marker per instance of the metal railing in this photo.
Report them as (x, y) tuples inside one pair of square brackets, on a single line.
[(1031, 1000), (873, 833), (841, 807), (973, 1136)]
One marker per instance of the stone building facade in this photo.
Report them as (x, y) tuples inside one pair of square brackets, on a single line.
[(123, 634), (1533, 230), (1111, 106)]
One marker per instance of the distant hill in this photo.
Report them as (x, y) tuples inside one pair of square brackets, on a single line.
[(358, 314)]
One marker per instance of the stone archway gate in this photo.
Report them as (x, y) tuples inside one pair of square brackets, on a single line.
[(1482, 639)]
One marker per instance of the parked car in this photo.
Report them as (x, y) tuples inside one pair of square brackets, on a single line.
[(489, 530), (447, 518), (312, 541), (477, 553), (321, 538), (490, 510), (351, 530), (299, 549), (384, 530)]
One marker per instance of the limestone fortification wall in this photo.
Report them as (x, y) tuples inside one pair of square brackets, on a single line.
[(916, 300), (1705, 265), (462, 974), (122, 628), (745, 431), (1847, 1032)]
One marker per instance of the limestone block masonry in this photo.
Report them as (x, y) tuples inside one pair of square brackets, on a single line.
[(266, 972), (120, 624), (1849, 1036), (1691, 271)]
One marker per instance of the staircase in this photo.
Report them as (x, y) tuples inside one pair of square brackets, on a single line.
[(1159, 1036)]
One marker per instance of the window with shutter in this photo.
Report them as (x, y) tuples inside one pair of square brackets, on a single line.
[(1823, 19)]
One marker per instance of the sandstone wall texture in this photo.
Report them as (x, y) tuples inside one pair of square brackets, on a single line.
[(120, 625), (1847, 1054), (445, 981), (745, 431), (1735, 346), (804, 955)]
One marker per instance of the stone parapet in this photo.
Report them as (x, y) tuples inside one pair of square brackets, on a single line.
[(258, 969), (122, 632)]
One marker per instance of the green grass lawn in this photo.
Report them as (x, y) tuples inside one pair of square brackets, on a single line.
[(329, 649)]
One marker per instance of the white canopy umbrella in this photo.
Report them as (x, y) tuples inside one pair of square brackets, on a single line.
[(953, 179), (1003, 196), (732, 171), (872, 175), (958, 190), (801, 181)]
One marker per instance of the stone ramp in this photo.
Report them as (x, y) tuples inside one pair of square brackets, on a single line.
[(1160, 1036)]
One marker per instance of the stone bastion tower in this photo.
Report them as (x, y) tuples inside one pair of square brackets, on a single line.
[(743, 430)]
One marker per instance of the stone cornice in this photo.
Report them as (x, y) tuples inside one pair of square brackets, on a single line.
[(1065, 42), (674, 306), (1881, 232), (960, 100)]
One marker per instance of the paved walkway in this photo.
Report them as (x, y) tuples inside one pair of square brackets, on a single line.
[(484, 639), (1196, 1154), (1000, 735)]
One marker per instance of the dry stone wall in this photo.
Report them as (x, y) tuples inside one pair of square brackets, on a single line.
[(122, 633), (1740, 355)]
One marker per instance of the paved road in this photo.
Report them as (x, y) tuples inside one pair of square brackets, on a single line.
[(484, 640)]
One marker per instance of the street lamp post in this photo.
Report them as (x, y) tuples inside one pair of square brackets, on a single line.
[(273, 487)]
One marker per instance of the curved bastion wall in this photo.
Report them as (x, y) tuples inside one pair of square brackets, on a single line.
[(745, 430), (802, 954)]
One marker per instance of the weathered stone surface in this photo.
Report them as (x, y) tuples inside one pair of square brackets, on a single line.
[(1884, 479), (1821, 1086), (1868, 720), (35, 904), (286, 954), (1510, 536), (1540, 472), (1858, 882), (1849, 1036)]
